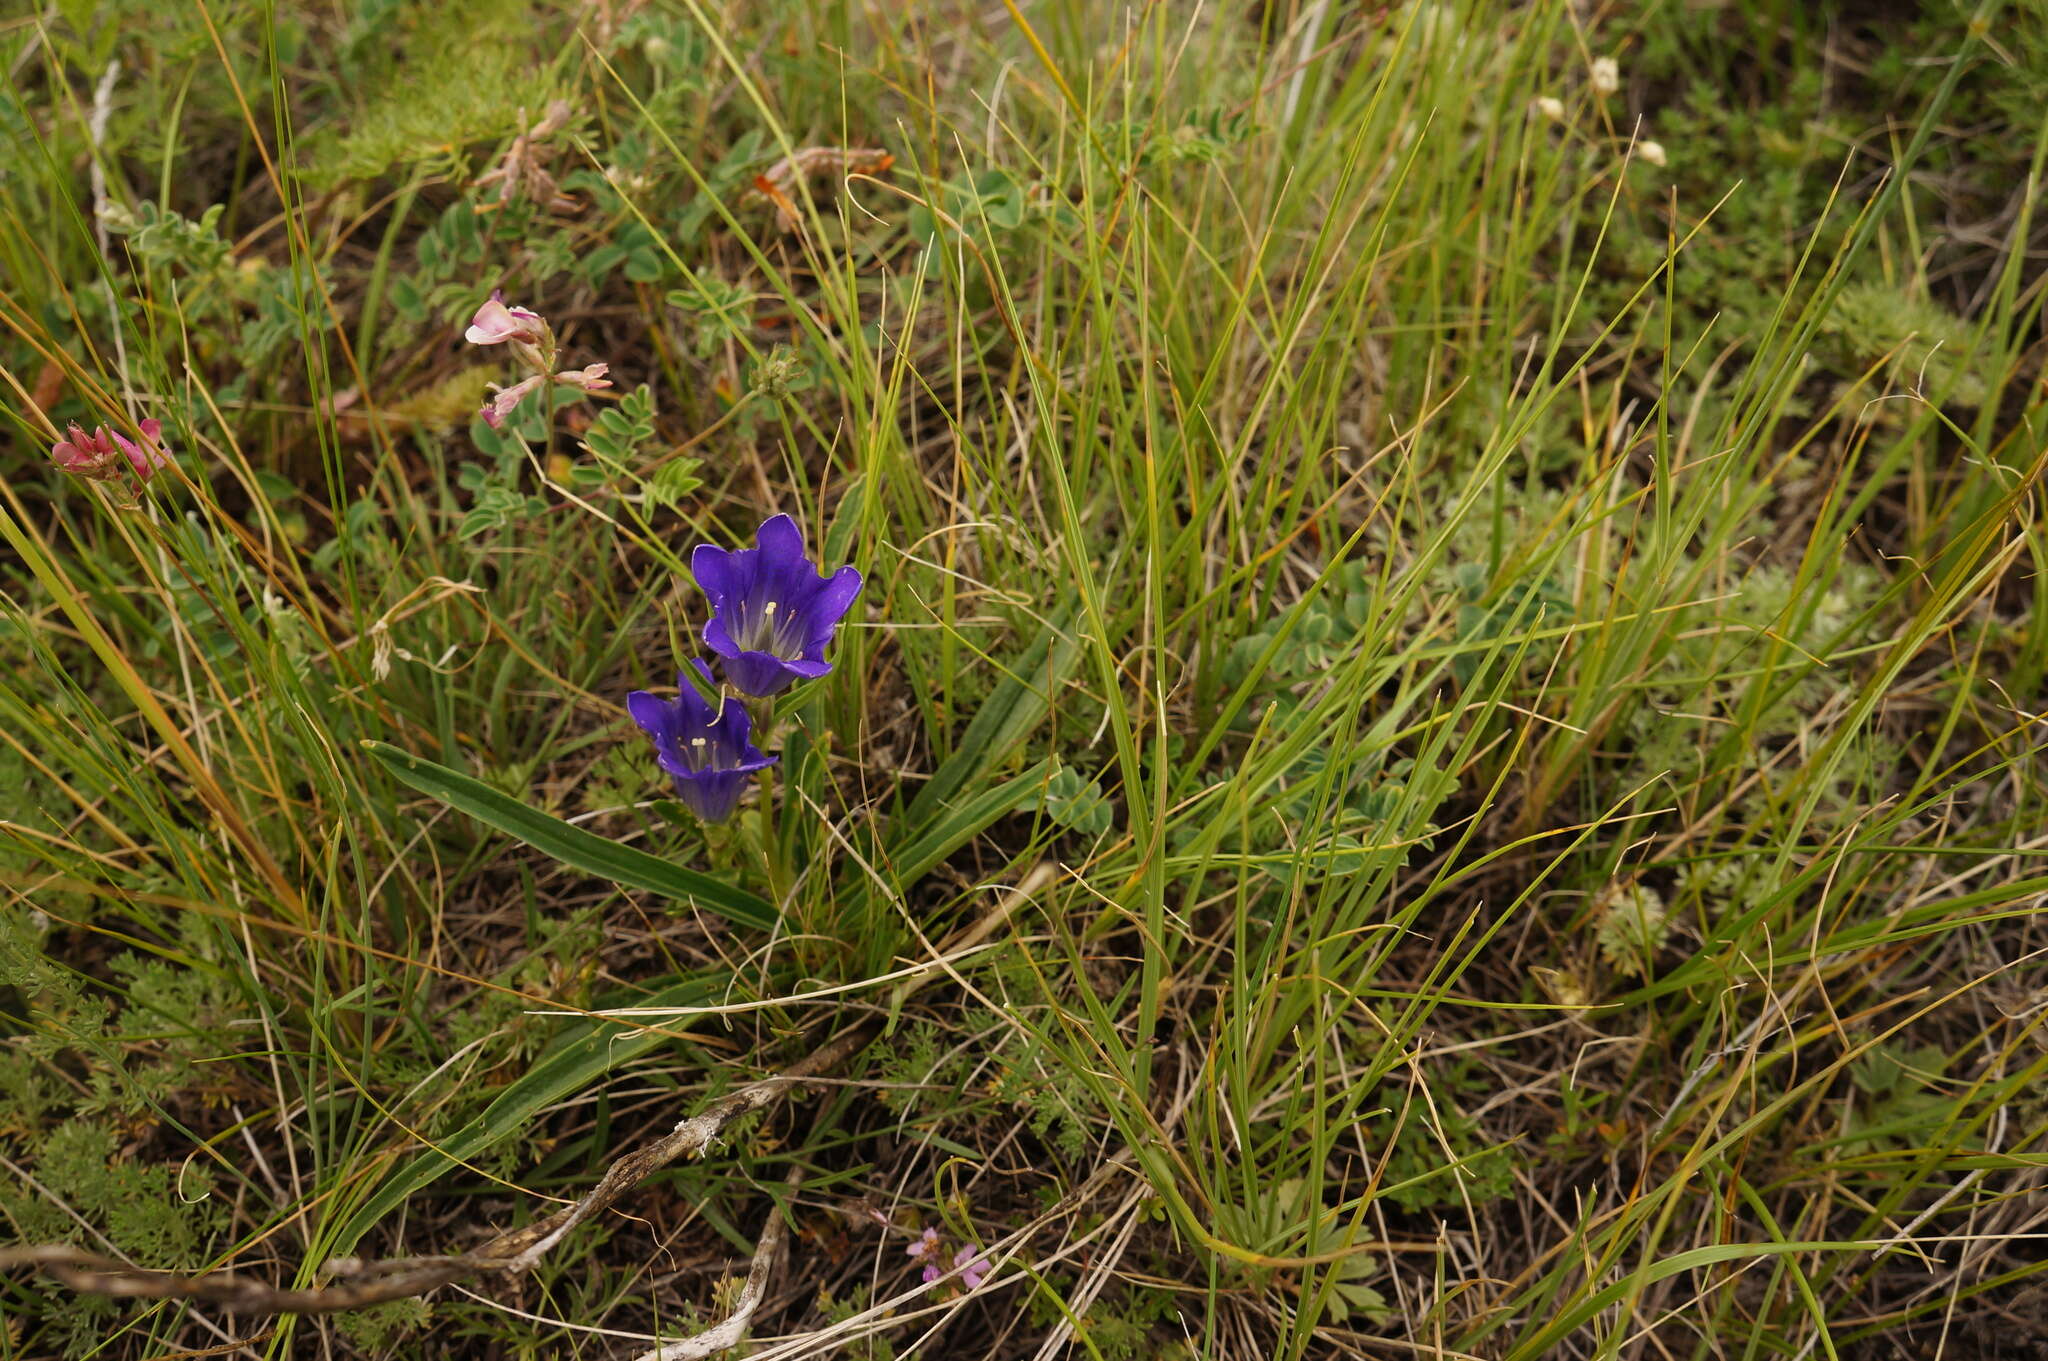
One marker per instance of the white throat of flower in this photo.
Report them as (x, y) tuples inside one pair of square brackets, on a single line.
[(771, 629)]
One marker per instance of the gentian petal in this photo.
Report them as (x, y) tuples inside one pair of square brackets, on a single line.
[(833, 600), (712, 566), (757, 673), (718, 639), (782, 543), (655, 716)]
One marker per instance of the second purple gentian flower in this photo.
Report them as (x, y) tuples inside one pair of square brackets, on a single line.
[(772, 614), (706, 748)]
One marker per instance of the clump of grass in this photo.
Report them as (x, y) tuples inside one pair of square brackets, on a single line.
[(1478, 682)]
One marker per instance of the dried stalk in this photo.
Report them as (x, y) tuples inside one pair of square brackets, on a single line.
[(726, 1335)]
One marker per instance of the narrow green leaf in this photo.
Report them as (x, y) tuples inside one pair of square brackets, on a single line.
[(572, 845), (952, 829), (578, 1060), (1020, 703)]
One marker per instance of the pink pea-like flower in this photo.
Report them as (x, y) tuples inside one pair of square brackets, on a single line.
[(86, 455), (106, 455), (504, 401), (146, 456), (495, 323), (972, 1266)]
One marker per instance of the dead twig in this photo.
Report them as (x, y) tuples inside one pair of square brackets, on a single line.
[(727, 1335)]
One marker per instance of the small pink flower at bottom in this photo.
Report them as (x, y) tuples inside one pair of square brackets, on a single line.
[(504, 401), (972, 1266)]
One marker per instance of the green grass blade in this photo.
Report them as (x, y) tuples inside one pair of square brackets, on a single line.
[(952, 830), (1020, 703)]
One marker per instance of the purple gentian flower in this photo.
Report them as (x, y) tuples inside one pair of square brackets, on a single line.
[(705, 749), (772, 614)]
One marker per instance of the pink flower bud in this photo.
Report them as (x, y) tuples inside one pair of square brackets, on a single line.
[(590, 378)]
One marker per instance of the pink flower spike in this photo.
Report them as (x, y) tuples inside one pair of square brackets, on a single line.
[(148, 456), (972, 1266), (590, 377), (504, 401), (926, 1247), (94, 456), (931, 1275), (495, 323)]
